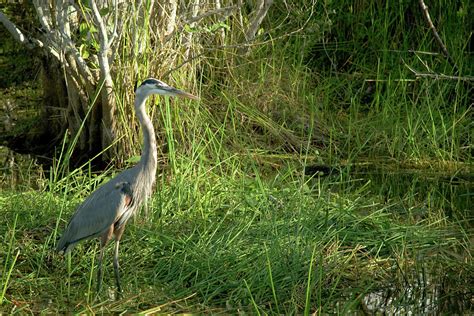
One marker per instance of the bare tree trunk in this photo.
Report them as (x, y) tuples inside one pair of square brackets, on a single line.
[(54, 99), (82, 38)]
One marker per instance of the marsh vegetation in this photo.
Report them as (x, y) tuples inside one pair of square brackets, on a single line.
[(241, 220)]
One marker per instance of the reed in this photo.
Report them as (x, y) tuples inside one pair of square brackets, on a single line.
[(235, 225)]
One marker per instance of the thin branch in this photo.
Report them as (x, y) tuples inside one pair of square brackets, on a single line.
[(68, 46), (438, 76), (44, 14), (15, 31), (190, 59), (141, 36), (262, 8), (171, 25), (114, 32), (104, 47), (426, 14), (391, 80), (223, 17), (103, 37), (225, 12), (18, 35), (444, 77), (187, 40), (118, 24), (108, 130)]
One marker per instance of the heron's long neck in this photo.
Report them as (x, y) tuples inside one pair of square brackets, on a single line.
[(149, 156)]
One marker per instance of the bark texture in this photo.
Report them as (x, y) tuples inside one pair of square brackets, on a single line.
[(87, 47)]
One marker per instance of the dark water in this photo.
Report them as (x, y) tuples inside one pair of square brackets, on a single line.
[(420, 189), (453, 194), (440, 283)]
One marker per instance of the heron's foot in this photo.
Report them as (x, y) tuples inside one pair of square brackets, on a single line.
[(119, 295)]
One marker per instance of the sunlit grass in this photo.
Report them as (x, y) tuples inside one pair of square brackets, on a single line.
[(234, 225), (212, 243)]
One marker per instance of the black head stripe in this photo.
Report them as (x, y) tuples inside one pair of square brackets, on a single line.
[(153, 81), (150, 81)]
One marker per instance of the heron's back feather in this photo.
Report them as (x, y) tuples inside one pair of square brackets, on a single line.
[(108, 204)]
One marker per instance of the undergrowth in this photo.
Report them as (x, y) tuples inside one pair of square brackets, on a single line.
[(209, 243), (235, 225)]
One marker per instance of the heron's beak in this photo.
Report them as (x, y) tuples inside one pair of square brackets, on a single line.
[(173, 92), (183, 94)]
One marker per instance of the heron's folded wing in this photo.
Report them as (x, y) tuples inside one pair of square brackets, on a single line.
[(95, 215)]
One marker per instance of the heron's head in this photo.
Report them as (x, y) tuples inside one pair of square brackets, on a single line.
[(154, 86)]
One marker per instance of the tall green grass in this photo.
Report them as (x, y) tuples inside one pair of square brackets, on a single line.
[(234, 225), (211, 243)]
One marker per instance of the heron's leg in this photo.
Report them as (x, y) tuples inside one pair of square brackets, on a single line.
[(118, 235), (116, 266), (99, 269), (103, 242)]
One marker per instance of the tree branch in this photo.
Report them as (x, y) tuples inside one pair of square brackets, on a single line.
[(170, 26), (227, 11), (114, 31), (262, 8), (438, 76), (108, 131), (103, 37), (426, 14), (18, 35), (104, 46), (68, 46), (15, 31), (195, 5), (44, 14)]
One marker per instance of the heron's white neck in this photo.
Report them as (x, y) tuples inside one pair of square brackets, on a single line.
[(149, 155)]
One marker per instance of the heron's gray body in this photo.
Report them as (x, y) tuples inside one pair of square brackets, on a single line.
[(106, 211), (108, 205)]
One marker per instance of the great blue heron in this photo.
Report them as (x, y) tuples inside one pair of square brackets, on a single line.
[(106, 211)]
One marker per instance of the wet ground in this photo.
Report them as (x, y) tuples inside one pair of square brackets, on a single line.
[(432, 285)]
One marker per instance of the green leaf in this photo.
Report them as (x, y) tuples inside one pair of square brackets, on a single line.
[(83, 29), (217, 26), (188, 28), (95, 45), (83, 51), (92, 29), (104, 11)]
